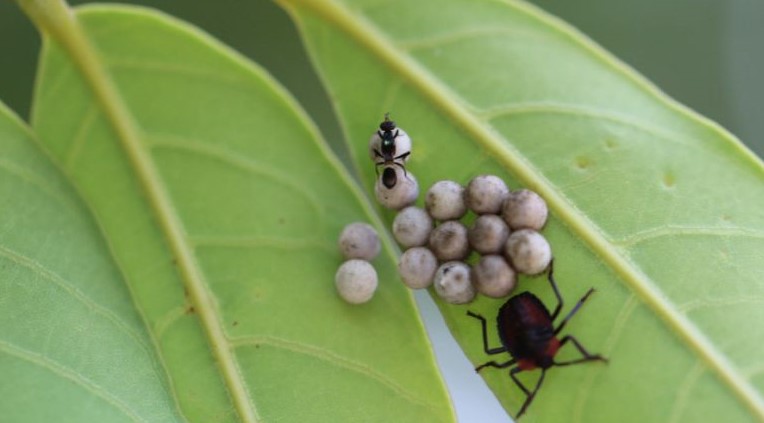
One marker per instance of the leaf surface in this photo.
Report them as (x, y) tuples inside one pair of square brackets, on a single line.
[(69, 332), (657, 208), (222, 206)]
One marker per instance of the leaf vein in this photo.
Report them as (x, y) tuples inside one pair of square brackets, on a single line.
[(588, 112), (672, 230), (332, 358), (171, 68), (702, 303), (80, 137), (42, 184), (71, 375), (78, 295), (254, 242), (623, 317), (242, 163), (684, 391), (466, 34)]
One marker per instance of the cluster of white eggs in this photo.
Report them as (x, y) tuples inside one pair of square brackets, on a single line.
[(502, 240)]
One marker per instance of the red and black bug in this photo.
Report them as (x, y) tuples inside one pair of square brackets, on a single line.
[(527, 333)]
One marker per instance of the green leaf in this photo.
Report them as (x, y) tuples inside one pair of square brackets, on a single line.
[(657, 208), (69, 332), (222, 206)]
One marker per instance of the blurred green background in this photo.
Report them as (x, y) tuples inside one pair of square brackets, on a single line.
[(707, 54)]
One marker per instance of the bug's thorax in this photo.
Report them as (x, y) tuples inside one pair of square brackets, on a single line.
[(388, 146)]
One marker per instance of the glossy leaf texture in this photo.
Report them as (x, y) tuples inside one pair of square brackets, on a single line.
[(222, 207), (655, 207), (69, 332)]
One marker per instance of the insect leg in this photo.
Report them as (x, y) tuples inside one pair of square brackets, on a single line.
[(487, 350), (376, 167), (530, 394), (587, 356), (402, 167), (572, 312), (402, 156), (496, 365), (550, 277)]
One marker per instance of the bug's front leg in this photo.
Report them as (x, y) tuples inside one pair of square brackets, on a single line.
[(487, 350), (495, 364)]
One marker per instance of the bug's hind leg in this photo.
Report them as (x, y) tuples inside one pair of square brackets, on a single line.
[(587, 356), (529, 394), (490, 351)]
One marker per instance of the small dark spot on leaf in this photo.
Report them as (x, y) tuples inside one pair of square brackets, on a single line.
[(724, 255), (668, 180), (611, 143), (235, 323), (190, 310), (726, 217), (257, 294), (583, 162), (281, 221)]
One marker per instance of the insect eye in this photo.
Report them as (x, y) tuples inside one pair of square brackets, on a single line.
[(387, 125)]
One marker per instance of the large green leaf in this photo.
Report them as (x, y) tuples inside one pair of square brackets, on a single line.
[(69, 332), (222, 206), (657, 208)]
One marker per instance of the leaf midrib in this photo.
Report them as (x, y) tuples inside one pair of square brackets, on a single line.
[(367, 34), (57, 20)]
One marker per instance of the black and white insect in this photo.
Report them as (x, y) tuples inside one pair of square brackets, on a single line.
[(526, 330), (389, 146)]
